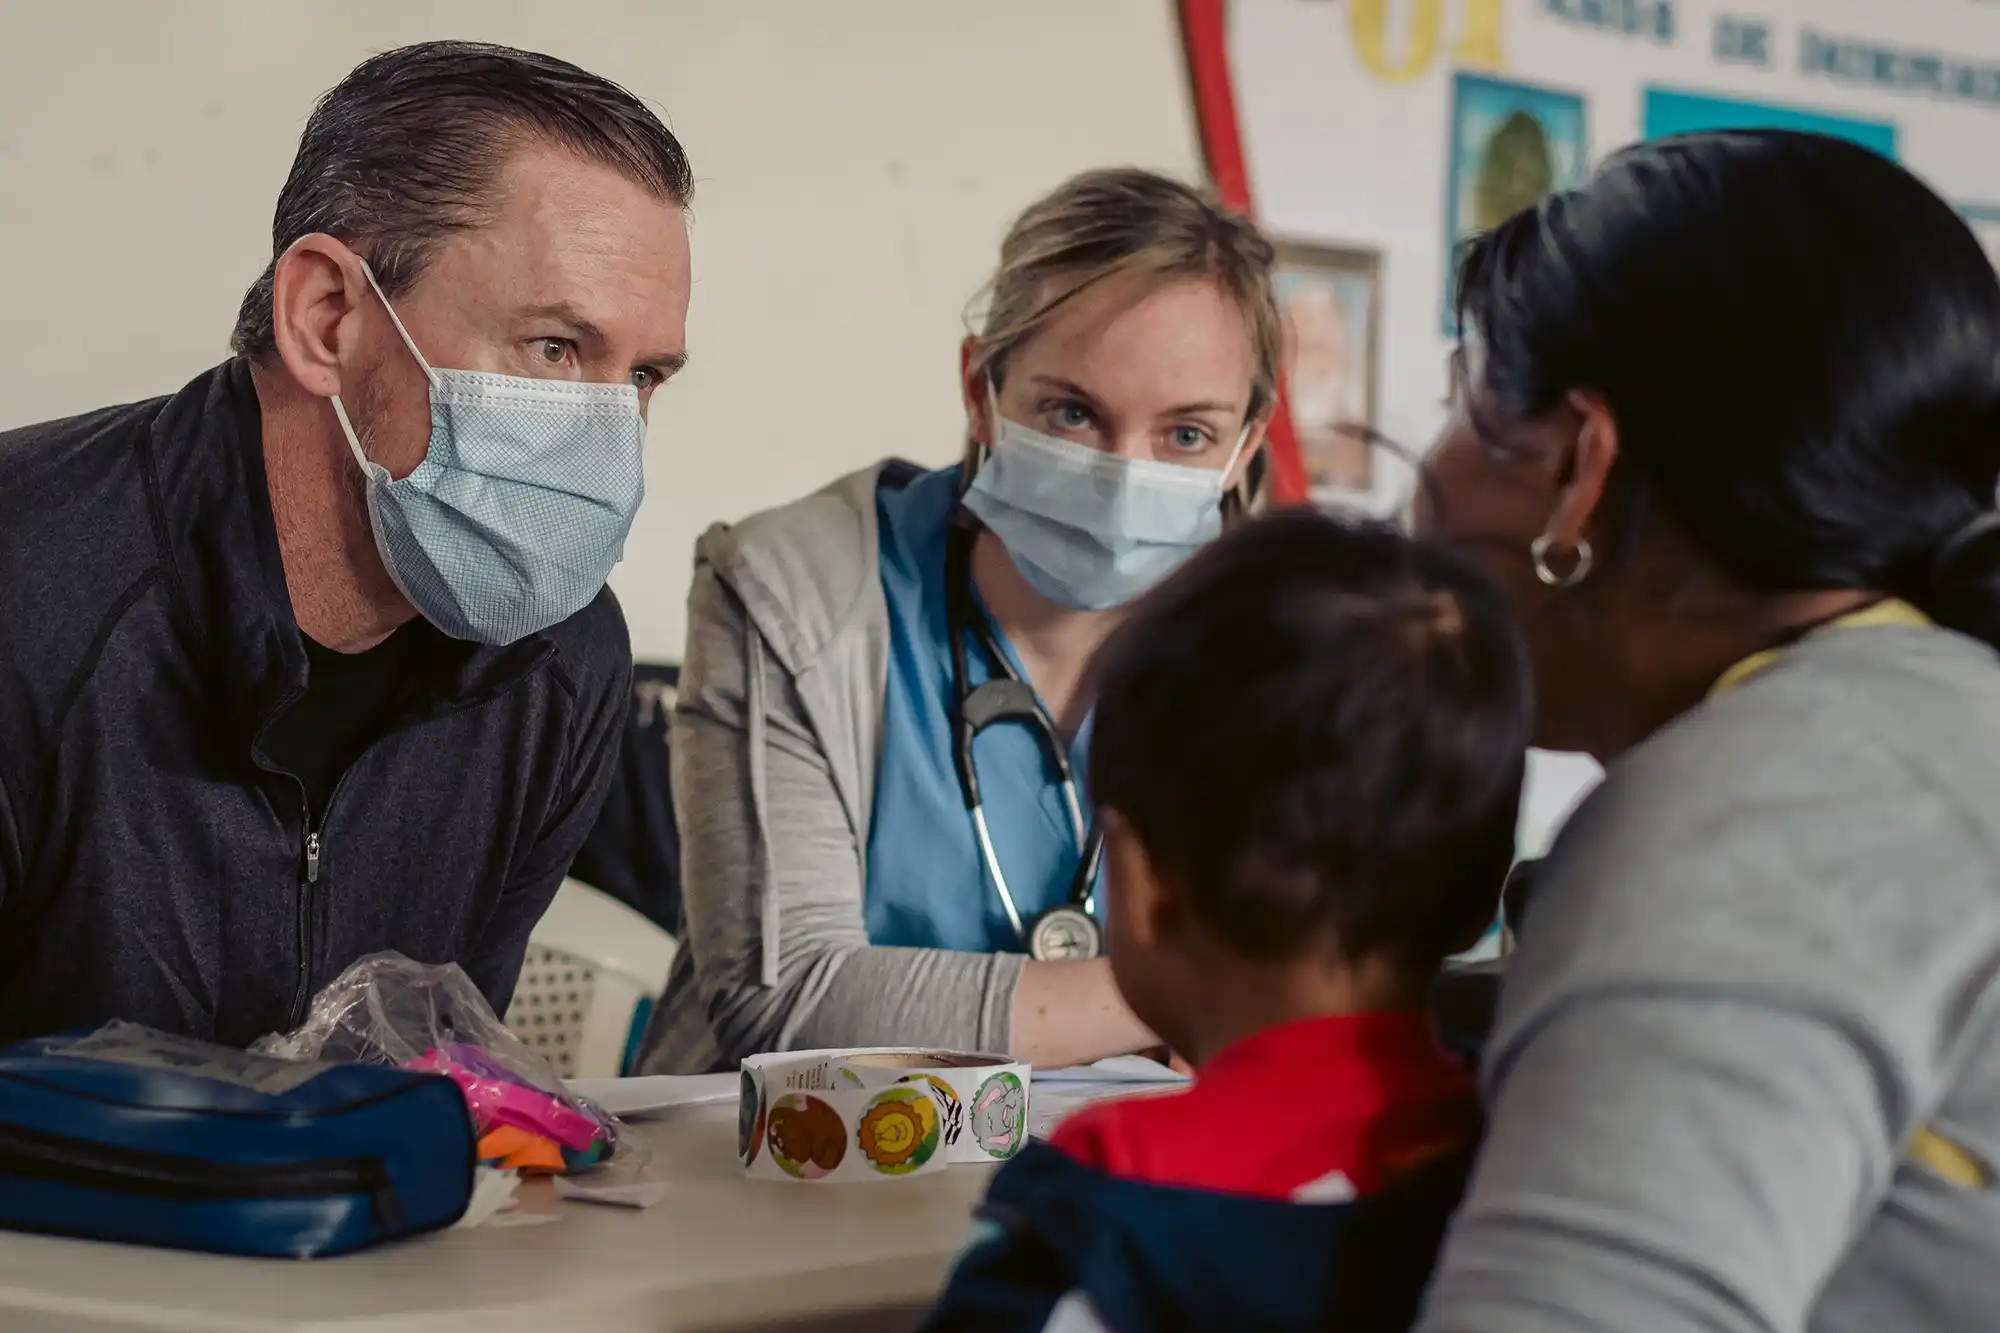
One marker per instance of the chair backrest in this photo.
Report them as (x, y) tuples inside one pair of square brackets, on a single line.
[(593, 969)]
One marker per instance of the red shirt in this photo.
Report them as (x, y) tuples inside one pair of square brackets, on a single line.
[(1320, 1109)]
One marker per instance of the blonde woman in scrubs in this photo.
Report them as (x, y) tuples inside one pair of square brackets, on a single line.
[(841, 888)]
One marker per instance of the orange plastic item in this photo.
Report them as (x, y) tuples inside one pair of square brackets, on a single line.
[(518, 1150), (501, 1141)]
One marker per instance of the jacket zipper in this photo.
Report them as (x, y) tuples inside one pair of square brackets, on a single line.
[(102, 1166), (309, 880), (314, 846), (302, 990)]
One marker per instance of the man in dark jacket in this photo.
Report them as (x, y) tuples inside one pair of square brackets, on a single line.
[(315, 658)]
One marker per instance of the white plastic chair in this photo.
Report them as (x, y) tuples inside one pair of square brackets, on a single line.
[(593, 968)]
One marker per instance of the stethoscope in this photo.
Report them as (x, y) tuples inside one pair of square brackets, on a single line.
[(1068, 930)]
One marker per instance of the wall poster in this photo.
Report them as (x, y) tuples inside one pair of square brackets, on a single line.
[(1329, 299)]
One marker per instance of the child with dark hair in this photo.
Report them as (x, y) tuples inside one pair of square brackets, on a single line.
[(1307, 758)]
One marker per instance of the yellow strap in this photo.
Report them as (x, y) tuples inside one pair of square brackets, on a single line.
[(1889, 611), (1949, 1162)]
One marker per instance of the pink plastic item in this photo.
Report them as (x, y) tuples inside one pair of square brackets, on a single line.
[(495, 1102), (388, 1010)]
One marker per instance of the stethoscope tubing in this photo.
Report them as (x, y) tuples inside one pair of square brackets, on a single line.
[(1013, 700)]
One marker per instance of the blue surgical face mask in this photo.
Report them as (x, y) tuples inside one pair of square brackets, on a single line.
[(519, 511), (1088, 529)]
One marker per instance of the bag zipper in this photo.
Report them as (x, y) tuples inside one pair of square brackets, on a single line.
[(36, 1156)]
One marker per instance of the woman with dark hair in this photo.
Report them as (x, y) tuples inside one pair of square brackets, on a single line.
[(1727, 425)]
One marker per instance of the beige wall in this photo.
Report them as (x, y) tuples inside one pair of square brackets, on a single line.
[(857, 163)]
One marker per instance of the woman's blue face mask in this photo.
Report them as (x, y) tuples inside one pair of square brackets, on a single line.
[(1089, 529)]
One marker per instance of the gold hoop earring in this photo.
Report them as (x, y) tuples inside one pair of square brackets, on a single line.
[(1538, 550)]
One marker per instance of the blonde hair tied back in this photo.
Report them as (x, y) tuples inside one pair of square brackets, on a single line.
[(1111, 223)]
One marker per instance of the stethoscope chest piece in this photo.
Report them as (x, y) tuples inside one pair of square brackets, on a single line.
[(1064, 934)]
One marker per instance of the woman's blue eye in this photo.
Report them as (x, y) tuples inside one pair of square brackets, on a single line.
[(1072, 416), (1190, 438)]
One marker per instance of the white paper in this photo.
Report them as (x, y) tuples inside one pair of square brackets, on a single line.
[(1061, 1093), (657, 1093), (517, 1218), (1051, 1108), (1118, 1069), (628, 1194), (1054, 1104), (492, 1195)]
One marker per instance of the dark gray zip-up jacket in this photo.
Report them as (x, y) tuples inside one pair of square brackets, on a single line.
[(153, 865)]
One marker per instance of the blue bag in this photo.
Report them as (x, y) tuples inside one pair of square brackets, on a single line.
[(132, 1135)]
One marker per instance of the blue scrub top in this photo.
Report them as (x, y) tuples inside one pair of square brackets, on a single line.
[(927, 885)]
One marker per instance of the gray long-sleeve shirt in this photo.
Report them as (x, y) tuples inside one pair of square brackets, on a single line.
[(775, 739), (1760, 970)]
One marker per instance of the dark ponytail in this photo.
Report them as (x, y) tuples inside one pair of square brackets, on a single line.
[(1800, 343)]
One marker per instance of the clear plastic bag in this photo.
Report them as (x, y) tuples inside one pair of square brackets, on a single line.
[(388, 1010)]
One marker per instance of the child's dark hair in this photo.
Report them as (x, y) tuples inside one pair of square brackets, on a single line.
[(1318, 730)]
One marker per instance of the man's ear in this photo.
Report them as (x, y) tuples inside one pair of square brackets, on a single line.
[(1147, 905), (317, 295), (1588, 472)]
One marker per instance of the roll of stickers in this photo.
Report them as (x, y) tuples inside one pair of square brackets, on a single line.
[(882, 1113)]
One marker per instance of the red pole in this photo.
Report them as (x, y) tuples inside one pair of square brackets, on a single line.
[(1205, 41)]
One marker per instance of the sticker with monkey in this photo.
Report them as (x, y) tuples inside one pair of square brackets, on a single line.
[(807, 1138), (899, 1131), (1000, 1115)]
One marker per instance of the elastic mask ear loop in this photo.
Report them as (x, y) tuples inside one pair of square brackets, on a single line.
[(397, 320), (992, 414), (1229, 464), (353, 440), (430, 376), (977, 462)]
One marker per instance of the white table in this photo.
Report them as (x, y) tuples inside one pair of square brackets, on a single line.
[(720, 1253)]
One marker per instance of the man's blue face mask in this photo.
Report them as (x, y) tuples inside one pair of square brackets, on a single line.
[(519, 511), (1088, 529)]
